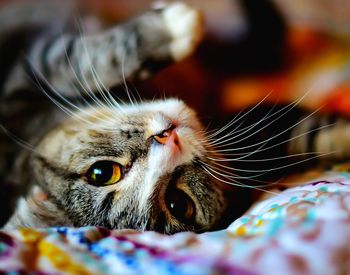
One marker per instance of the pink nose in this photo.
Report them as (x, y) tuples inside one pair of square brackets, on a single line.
[(169, 138)]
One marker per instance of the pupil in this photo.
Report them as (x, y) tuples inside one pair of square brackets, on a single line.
[(102, 172), (180, 205)]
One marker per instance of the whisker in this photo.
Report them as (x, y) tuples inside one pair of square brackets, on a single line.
[(245, 155), (236, 176), (229, 174), (86, 88), (89, 91), (289, 107), (81, 86), (283, 166), (279, 134), (263, 159), (16, 138), (238, 184), (97, 80), (126, 88), (138, 94), (24, 144), (243, 131), (237, 118), (39, 80)]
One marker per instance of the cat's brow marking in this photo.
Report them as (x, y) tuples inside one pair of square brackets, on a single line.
[(59, 171), (96, 134), (130, 133), (99, 150)]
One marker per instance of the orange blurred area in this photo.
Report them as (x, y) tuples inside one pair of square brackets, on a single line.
[(239, 93), (313, 56), (317, 65)]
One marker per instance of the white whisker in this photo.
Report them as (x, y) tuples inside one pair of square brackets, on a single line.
[(280, 167), (81, 87), (234, 176), (236, 183), (263, 159), (245, 155), (277, 135), (237, 118), (65, 109), (24, 144), (138, 94), (126, 88), (242, 131), (103, 91), (289, 107)]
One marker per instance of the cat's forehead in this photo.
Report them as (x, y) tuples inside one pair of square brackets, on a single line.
[(171, 108), (149, 116)]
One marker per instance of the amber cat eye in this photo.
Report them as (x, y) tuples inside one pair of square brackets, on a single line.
[(104, 173)]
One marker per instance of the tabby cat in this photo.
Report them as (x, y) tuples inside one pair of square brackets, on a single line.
[(89, 159)]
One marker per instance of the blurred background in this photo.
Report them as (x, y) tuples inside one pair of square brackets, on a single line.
[(251, 48), (284, 48)]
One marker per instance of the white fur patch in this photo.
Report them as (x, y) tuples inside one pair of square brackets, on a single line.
[(186, 27), (161, 159)]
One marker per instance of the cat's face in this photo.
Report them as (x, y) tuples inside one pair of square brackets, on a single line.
[(137, 168)]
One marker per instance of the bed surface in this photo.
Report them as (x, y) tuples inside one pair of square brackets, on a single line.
[(302, 230)]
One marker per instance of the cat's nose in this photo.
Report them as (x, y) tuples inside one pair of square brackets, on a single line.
[(169, 138)]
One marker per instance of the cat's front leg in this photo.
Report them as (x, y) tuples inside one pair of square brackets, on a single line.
[(141, 46), (185, 26), (131, 50)]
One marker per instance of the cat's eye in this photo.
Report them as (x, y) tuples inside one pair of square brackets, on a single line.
[(180, 205), (104, 173)]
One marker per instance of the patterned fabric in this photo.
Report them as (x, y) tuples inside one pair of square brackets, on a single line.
[(303, 230)]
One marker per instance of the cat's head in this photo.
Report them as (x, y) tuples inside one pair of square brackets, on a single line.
[(135, 167)]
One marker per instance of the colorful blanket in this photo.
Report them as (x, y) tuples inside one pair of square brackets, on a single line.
[(302, 230)]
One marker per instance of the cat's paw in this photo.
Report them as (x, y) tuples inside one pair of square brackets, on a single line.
[(185, 25)]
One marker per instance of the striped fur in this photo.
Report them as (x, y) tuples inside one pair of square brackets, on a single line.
[(140, 200)]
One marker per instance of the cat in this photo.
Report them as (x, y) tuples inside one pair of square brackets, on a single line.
[(60, 65), (89, 159)]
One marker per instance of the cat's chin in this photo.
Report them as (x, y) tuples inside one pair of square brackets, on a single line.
[(185, 25)]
